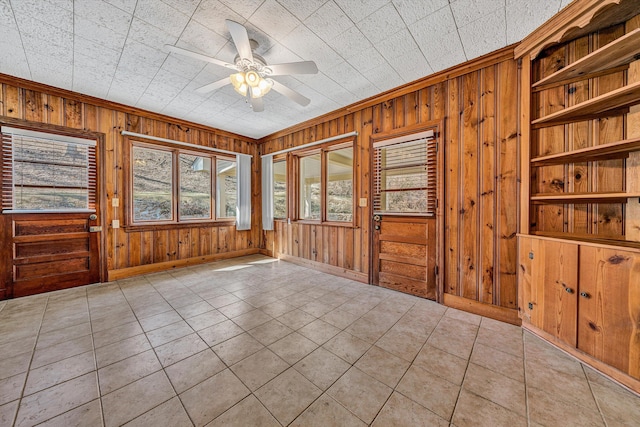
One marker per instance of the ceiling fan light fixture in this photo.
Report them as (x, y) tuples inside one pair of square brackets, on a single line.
[(252, 78), (239, 83), (262, 88)]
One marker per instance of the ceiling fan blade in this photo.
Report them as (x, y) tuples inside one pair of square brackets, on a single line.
[(240, 39), (305, 67), (257, 104), (291, 94), (186, 52), (213, 86)]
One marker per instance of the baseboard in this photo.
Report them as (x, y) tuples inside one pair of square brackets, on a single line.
[(508, 315), (626, 381), (123, 273), (326, 268)]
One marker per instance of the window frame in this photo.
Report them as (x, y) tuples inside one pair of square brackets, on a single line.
[(176, 221), (293, 181)]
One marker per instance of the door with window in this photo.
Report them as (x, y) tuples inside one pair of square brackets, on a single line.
[(50, 211), (405, 194)]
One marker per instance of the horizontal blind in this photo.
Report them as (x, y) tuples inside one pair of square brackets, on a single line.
[(405, 178), (7, 171), (48, 174)]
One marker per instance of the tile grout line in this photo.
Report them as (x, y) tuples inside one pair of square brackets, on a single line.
[(33, 352), (595, 399)]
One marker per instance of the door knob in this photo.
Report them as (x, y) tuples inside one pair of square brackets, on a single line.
[(569, 290), (93, 217), (585, 295), (377, 227), (377, 218)]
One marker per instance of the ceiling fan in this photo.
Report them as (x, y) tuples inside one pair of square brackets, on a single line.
[(253, 77)]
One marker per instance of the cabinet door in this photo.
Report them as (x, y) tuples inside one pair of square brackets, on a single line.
[(548, 286), (609, 308), (558, 266)]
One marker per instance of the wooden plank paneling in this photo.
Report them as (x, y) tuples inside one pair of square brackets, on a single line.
[(479, 140), (125, 249), (507, 188)]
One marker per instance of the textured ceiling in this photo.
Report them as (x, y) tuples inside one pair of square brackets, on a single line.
[(113, 49)]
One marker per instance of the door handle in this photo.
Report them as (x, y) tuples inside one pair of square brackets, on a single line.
[(585, 295), (93, 217), (377, 227)]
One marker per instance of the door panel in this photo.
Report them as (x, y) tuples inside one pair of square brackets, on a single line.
[(609, 318), (404, 254), (52, 251)]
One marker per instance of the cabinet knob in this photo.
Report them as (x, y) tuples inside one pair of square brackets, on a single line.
[(585, 295), (568, 290)]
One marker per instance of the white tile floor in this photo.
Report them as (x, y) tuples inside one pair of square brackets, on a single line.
[(258, 342)]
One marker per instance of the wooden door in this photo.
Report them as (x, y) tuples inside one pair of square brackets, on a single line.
[(405, 254), (52, 252), (405, 189), (50, 208), (609, 307)]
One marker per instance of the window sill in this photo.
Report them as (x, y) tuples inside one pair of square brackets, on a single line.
[(326, 223), (172, 226)]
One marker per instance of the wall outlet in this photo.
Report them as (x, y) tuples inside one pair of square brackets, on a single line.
[(115, 223), (115, 202), (363, 202)]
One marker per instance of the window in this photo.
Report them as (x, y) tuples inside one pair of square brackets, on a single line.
[(171, 185), (405, 176), (280, 189), (325, 187), (227, 180), (310, 187), (340, 185), (47, 172)]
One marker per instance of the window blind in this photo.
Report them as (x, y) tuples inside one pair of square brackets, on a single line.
[(405, 180), (47, 172)]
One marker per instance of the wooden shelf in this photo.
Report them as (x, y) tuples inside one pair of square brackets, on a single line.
[(612, 150), (619, 52), (583, 197), (611, 102)]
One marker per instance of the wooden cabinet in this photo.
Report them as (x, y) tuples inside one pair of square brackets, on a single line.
[(585, 296)]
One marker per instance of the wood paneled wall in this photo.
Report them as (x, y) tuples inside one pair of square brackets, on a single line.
[(132, 252), (477, 103)]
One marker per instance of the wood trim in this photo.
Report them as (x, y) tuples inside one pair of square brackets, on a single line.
[(326, 268), (476, 64), (170, 265), (580, 239), (577, 19), (68, 94), (629, 383), (508, 315)]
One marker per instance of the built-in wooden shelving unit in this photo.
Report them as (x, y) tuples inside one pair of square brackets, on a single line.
[(580, 207), (614, 102), (612, 150), (619, 52)]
